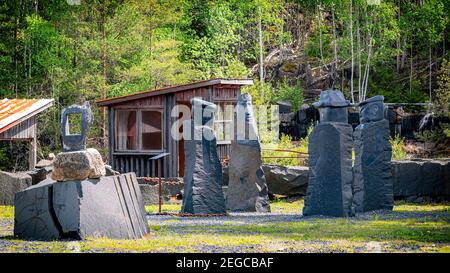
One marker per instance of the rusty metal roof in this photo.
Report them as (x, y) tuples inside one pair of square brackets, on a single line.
[(14, 111), (173, 89)]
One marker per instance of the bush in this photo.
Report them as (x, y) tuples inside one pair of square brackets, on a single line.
[(398, 151)]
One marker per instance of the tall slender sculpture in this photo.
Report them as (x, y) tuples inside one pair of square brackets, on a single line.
[(329, 189), (372, 186), (203, 172), (247, 187)]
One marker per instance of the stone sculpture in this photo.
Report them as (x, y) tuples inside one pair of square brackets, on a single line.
[(79, 201), (203, 172), (329, 190), (76, 162), (111, 206), (372, 186), (75, 142), (247, 186)]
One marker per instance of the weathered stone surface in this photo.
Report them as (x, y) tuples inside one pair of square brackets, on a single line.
[(10, 183), (107, 207), (372, 185), (203, 171), (110, 171), (247, 186), (424, 177), (75, 142), (78, 165), (286, 180), (329, 189)]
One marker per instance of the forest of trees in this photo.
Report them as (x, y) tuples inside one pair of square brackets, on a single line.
[(78, 50)]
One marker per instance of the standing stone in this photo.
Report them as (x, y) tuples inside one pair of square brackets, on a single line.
[(329, 189), (247, 187), (373, 184), (203, 172), (110, 207)]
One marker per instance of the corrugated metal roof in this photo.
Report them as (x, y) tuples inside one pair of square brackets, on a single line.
[(172, 89), (14, 111)]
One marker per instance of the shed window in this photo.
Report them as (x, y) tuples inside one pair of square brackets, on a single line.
[(126, 135), (151, 133)]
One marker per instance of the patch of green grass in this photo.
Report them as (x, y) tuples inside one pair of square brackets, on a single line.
[(430, 233), (6, 212), (164, 208)]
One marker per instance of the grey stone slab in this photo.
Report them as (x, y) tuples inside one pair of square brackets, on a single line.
[(373, 184), (329, 189), (107, 207), (247, 186)]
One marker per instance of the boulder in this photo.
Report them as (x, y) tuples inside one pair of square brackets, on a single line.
[(286, 180), (10, 184), (38, 175), (78, 165), (110, 207), (44, 163)]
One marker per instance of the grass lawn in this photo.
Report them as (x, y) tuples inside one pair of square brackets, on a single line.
[(409, 228)]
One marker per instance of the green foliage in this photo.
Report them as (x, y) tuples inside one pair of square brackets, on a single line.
[(398, 151), (441, 103)]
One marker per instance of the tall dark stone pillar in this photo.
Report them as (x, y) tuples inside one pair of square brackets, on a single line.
[(203, 172), (372, 186), (329, 189), (247, 186)]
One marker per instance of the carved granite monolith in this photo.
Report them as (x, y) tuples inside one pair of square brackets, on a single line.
[(373, 184), (203, 172), (111, 206), (247, 186), (329, 190)]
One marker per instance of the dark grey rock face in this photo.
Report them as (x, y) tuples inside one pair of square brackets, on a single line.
[(75, 142), (329, 189), (421, 178), (203, 171), (286, 180), (372, 185), (10, 184), (107, 207), (247, 186)]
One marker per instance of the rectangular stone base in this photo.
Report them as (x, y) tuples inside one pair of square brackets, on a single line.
[(110, 207)]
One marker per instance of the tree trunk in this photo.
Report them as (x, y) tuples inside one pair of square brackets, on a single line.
[(351, 46)]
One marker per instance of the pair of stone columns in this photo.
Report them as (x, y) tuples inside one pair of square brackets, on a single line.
[(337, 187), (247, 188)]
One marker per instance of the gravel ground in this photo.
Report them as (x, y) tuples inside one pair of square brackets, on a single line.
[(170, 226)]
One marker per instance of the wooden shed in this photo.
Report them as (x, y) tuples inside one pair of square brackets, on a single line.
[(18, 122), (140, 125)]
